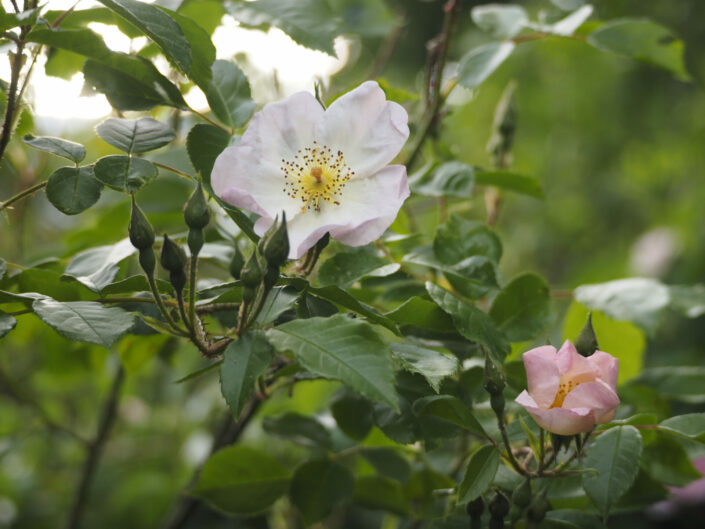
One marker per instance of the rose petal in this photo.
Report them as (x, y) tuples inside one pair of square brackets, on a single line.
[(368, 129), (370, 205), (608, 366), (597, 396), (558, 420), (573, 366), (542, 374)]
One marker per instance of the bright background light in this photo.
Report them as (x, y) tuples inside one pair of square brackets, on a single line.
[(276, 65)]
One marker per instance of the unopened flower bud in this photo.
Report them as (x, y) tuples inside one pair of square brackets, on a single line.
[(140, 230), (276, 246), (497, 403), (236, 263), (173, 257), (493, 380), (499, 506), (522, 494), (271, 277), (252, 274), (586, 344), (196, 212)]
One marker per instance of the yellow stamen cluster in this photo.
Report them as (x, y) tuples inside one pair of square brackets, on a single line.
[(566, 387), (316, 173)]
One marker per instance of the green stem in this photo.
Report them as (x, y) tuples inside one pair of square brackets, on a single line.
[(209, 120), (162, 308), (173, 170), (22, 194), (193, 269)]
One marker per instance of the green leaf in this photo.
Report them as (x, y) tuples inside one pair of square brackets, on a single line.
[(84, 321), (311, 23), (204, 143), (471, 322), (688, 300), (615, 454), (472, 277), (130, 83), (451, 179), (621, 339), (480, 63), (135, 283), (97, 267), (72, 190), (7, 323), (508, 181), (450, 409), (133, 83), (377, 492), (459, 239), (244, 361), (23, 18), (318, 486), (643, 40), (479, 473), (300, 429), (65, 148), (691, 426), (571, 519), (341, 297), (125, 173), (279, 300), (522, 309), (424, 314), (666, 461), (202, 49), (501, 21), (432, 365), (345, 268), (158, 26), (228, 94), (682, 383), (353, 414), (241, 480), (343, 349), (387, 462), (639, 300), (135, 135)]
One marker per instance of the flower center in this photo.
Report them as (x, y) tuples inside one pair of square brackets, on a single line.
[(315, 174), (566, 387)]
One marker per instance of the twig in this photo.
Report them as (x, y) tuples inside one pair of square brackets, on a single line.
[(108, 414), (22, 194), (173, 170), (15, 68), (209, 120), (229, 433), (387, 49)]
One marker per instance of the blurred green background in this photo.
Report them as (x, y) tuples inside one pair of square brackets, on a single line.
[(619, 149)]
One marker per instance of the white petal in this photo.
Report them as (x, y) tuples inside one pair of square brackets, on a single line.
[(249, 175), (370, 205), (368, 129)]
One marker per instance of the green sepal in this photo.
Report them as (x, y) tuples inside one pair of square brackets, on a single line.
[(275, 247), (252, 273), (148, 261), (173, 257), (236, 263), (586, 343)]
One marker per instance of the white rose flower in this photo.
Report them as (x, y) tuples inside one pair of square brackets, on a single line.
[(327, 169)]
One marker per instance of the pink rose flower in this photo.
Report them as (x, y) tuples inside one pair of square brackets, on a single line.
[(569, 393)]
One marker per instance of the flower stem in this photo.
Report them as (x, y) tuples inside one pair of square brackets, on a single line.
[(162, 308), (209, 120), (193, 268), (174, 170)]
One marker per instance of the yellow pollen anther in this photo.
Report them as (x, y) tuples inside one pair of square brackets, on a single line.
[(565, 387), (316, 173)]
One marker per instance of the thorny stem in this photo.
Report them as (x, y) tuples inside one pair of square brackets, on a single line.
[(193, 269), (162, 308), (22, 194), (16, 61), (108, 414)]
